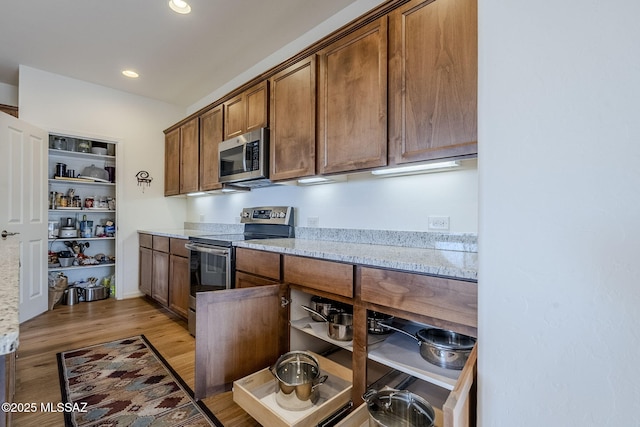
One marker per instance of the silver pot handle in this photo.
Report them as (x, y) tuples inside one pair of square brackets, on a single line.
[(393, 328), (311, 310), (369, 394), (319, 381)]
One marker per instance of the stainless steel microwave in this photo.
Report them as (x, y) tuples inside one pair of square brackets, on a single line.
[(245, 157)]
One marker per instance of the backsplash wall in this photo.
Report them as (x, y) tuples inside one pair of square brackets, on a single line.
[(361, 202)]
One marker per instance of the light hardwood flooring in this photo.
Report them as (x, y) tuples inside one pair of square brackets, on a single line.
[(70, 327)]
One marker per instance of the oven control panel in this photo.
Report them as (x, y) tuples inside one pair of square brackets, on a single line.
[(282, 215)]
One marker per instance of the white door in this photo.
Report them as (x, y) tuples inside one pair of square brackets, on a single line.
[(23, 207)]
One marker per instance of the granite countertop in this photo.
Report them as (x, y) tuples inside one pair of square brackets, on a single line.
[(178, 233), (451, 255), (196, 231), (446, 263), (9, 296)]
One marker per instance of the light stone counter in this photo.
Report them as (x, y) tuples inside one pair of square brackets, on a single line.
[(185, 233), (440, 254), (437, 262), (9, 295)]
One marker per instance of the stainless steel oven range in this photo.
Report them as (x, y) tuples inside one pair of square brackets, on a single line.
[(212, 257)]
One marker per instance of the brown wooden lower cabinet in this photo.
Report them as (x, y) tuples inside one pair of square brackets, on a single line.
[(160, 285), (145, 270), (240, 331), (244, 330), (179, 285), (164, 271), (258, 263), (244, 280)]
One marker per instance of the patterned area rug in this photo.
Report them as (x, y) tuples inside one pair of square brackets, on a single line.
[(126, 383)]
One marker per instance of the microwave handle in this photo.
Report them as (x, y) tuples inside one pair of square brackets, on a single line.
[(244, 157)]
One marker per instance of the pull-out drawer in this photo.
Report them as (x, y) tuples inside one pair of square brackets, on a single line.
[(177, 247), (259, 263), (161, 243), (145, 240), (256, 395), (327, 276), (453, 301)]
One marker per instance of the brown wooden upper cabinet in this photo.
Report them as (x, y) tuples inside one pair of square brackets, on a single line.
[(433, 65), (181, 159), (172, 163), (293, 121), (352, 101), (210, 136), (247, 111)]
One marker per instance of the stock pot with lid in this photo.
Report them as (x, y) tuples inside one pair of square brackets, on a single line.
[(298, 375), (398, 408)]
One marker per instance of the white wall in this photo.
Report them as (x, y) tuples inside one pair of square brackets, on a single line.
[(346, 15), (398, 203), (60, 104), (8, 94), (559, 220)]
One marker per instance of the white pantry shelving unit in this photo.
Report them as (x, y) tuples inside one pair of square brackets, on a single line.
[(69, 152)]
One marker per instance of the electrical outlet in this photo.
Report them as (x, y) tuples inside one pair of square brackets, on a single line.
[(201, 217), (313, 221), (438, 223)]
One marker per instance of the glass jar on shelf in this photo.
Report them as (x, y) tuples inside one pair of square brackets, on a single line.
[(84, 146), (58, 143)]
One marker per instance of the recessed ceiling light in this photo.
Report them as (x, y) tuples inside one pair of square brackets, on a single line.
[(130, 73), (179, 6)]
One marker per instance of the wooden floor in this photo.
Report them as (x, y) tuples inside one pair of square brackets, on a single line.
[(75, 326)]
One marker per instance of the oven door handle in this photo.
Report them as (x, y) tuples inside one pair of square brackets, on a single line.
[(208, 249)]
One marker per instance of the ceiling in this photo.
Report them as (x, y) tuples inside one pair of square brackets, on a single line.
[(180, 58)]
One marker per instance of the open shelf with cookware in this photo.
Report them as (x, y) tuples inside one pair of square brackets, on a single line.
[(272, 312), (393, 359), (389, 348), (82, 207)]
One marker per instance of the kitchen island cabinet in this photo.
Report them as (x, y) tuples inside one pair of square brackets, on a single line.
[(433, 66), (9, 321), (352, 101), (8, 384)]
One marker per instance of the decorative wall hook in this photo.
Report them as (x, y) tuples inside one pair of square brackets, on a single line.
[(144, 179)]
